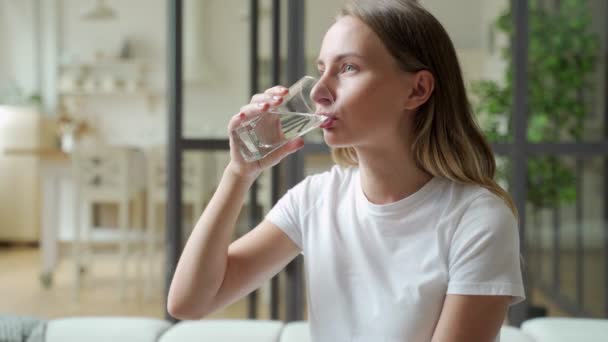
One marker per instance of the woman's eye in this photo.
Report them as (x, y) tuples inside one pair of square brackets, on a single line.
[(349, 67)]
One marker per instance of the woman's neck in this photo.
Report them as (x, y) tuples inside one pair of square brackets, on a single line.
[(389, 175)]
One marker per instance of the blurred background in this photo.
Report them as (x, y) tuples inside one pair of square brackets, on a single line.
[(95, 110)]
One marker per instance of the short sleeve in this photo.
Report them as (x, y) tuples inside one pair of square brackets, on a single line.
[(286, 212), (484, 255)]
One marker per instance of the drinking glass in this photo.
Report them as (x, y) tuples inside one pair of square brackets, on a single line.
[(294, 117)]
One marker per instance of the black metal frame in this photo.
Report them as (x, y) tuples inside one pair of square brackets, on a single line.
[(296, 68), (254, 215), (276, 171), (177, 144), (606, 168), (520, 151), (175, 148), (518, 313)]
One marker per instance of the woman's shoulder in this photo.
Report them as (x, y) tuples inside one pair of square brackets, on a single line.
[(473, 200), (315, 188), (332, 178), (473, 213)]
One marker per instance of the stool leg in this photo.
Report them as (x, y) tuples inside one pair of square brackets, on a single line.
[(123, 222), (76, 252), (140, 241), (150, 247), (88, 209)]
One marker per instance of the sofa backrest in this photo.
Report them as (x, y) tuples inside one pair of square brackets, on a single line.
[(296, 332), (105, 329), (224, 331), (557, 329), (130, 329)]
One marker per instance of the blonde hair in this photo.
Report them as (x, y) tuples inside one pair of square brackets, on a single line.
[(447, 140)]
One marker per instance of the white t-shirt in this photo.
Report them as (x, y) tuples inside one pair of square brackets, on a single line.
[(380, 273)]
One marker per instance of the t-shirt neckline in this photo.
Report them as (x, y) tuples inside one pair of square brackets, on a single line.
[(399, 207)]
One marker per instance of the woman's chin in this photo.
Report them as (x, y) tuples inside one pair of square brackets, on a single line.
[(329, 138), (333, 141)]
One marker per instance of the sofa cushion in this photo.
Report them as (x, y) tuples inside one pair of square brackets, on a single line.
[(224, 331), (296, 332), (512, 334), (299, 332), (98, 329), (556, 329)]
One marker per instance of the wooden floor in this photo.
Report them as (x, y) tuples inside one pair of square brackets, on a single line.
[(23, 293)]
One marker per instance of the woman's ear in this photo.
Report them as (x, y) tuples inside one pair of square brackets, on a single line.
[(422, 84)]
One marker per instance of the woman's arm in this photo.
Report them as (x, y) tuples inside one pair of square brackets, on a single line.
[(467, 318), (210, 275), (201, 267)]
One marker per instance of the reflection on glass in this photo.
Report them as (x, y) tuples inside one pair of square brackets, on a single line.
[(593, 237), (559, 221)]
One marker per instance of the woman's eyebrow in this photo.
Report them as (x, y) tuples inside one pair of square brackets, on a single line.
[(340, 57)]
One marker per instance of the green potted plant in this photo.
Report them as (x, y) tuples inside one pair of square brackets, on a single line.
[(562, 56)]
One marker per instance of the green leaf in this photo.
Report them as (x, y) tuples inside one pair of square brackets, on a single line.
[(563, 54)]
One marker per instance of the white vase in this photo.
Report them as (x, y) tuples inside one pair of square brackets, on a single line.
[(67, 142)]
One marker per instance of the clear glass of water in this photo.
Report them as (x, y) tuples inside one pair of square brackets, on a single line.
[(294, 117)]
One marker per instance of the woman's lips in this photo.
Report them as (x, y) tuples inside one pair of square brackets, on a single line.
[(329, 122)]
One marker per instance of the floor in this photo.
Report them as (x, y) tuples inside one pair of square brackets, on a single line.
[(593, 276), (23, 293)]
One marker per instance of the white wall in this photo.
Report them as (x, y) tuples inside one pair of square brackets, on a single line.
[(18, 44), (4, 53), (141, 21), (120, 119), (469, 24), (466, 21), (462, 20), (208, 105)]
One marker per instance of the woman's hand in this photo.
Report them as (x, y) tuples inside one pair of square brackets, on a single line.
[(260, 104)]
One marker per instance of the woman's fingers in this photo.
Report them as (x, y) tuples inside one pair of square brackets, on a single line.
[(272, 100), (248, 112), (236, 121), (269, 94), (260, 103), (277, 90), (275, 157)]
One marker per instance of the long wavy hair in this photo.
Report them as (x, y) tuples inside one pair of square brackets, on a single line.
[(447, 140)]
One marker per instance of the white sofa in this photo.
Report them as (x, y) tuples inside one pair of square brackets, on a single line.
[(557, 329), (118, 329)]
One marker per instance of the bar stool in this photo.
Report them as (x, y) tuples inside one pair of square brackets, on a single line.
[(115, 175)]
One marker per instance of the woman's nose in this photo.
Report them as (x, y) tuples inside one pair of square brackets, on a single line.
[(321, 94)]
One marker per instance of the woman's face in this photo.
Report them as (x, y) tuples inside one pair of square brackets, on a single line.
[(366, 92)]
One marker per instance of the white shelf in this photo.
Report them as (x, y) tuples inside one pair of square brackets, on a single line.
[(106, 78), (113, 93), (108, 63)]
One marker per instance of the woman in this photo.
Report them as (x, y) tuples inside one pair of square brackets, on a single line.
[(409, 238)]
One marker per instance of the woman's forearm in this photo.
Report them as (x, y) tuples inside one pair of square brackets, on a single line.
[(202, 265)]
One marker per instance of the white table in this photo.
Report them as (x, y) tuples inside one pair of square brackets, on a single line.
[(55, 170)]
